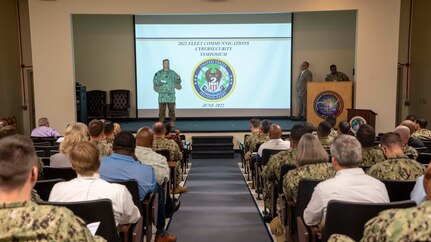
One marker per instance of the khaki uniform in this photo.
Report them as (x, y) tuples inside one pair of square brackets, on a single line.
[(397, 168), (371, 156), (271, 172), (104, 147), (422, 134), (27, 221), (410, 224), (410, 150), (326, 141), (321, 171), (257, 139), (161, 143)]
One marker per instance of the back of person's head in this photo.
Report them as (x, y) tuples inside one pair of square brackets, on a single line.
[(95, 128), (310, 151), (117, 128), (391, 141), (108, 128), (344, 127), (346, 150), (3, 122), (42, 121), (255, 123), (296, 133), (404, 133), (332, 66), (85, 158), (159, 128), (168, 128), (144, 137), (275, 131), (410, 117), (309, 127), (7, 130), (331, 120), (124, 141), (75, 133), (409, 124), (366, 135), (17, 159), (266, 125), (422, 122), (324, 129)]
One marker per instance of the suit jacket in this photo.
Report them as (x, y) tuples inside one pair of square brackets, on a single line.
[(307, 76)]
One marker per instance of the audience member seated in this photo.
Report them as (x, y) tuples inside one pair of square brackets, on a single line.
[(311, 162), (275, 142), (95, 128), (421, 131), (259, 138), (336, 75), (344, 128), (271, 172), (21, 219), (409, 224), (3, 123), (255, 130), (43, 129), (370, 153), (75, 133), (85, 157), (108, 135), (397, 166), (413, 142), (323, 132), (404, 133), (117, 129), (124, 165), (333, 122), (411, 117), (172, 135), (309, 127), (349, 184), (161, 143)]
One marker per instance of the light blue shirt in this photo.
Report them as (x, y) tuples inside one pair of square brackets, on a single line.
[(123, 167), (418, 194)]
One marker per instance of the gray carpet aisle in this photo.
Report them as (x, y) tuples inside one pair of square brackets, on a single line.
[(218, 206)]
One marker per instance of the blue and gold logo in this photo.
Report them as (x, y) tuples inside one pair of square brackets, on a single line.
[(328, 103), (213, 80)]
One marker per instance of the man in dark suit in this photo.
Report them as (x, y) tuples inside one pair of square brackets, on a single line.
[(301, 88)]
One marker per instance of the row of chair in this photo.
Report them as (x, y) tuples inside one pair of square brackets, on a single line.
[(97, 106)]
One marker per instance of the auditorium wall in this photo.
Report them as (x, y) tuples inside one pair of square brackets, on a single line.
[(104, 53), (375, 58), (10, 82)]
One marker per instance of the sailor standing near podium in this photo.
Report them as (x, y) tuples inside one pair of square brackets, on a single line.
[(165, 82)]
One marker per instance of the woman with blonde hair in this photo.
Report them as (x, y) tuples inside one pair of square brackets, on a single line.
[(312, 162), (75, 133)]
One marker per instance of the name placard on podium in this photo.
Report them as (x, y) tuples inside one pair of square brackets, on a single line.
[(328, 99)]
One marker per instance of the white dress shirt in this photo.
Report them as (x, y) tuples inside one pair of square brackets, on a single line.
[(274, 144), (149, 157), (350, 185), (418, 194), (92, 188)]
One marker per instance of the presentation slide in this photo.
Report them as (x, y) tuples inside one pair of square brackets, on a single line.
[(226, 69)]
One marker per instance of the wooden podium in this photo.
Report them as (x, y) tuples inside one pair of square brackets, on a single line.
[(368, 115), (328, 99)]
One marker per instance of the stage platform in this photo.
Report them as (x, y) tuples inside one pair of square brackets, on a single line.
[(206, 125)]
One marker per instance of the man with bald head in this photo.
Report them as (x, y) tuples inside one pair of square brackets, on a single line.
[(160, 142), (413, 142), (404, 133), (275, 142), (397, 166)]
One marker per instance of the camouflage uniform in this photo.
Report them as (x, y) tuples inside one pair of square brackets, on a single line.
[(166, 92), (161, 143), (333, 134), (326, 142), (397, 168), (339, 76), (320, 171), (258, 139), (371, 156), (271, 172), (105, 148), (422, 134), (39, 168), (410, 150), (340, 238), (248, 140), (27, 221), (410, 224)]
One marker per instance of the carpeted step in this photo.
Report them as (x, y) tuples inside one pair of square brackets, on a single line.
[(219, 154), (211, 139), (212, 146)]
